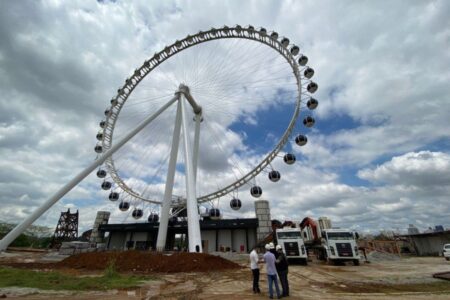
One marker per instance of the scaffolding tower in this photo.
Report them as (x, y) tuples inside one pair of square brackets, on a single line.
[(66, 230)]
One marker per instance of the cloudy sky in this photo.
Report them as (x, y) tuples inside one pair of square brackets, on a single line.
[(378, 157)]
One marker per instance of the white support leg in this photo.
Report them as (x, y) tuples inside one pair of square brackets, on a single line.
[(164, 216), (19, 229), (195, 240), (198, 119)]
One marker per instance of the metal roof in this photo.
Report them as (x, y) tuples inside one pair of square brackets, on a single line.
[(424, 234)]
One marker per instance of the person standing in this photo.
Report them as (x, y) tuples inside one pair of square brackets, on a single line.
[(272, 249), (282, 270), (269, 258), (254, 260)]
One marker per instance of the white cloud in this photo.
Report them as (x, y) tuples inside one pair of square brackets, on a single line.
[(414, 168), (401, 205), (387, 70)]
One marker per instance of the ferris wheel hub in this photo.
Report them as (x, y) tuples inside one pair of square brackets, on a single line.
[(184, 89)]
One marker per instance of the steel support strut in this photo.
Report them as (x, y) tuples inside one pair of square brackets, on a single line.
[(19, 229), (164, 216), (195, 241), (198, 119)]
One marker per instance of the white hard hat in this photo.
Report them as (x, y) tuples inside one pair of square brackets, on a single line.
[(278, 247), (272, 246), (267, 247)]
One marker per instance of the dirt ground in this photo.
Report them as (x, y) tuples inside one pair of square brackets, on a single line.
[(405, 278), (139, 262)]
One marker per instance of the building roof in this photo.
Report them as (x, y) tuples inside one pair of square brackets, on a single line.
[(427, 234), (204, 225)]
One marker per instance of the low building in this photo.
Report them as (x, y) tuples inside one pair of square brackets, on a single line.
[(237, 235), (429, 243)]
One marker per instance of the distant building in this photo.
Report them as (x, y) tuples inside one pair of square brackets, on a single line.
[(429, 230), (324, 223), (413, 229), (438, 228)]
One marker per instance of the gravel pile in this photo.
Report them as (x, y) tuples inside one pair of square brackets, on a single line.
[(382, 256)]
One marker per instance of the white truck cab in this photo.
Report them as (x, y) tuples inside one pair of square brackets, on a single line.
[(340, 245), (290, 239)]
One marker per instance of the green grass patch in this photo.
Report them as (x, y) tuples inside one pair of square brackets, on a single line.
[(53, 280)]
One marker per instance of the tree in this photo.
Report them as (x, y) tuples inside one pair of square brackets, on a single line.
[(35, 236)]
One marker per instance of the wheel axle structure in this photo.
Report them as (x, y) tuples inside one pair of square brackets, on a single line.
[(221, 94)]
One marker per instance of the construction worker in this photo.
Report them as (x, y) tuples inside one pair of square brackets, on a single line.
[(269, 258), (272, 249), (254, 260), (282, 269)]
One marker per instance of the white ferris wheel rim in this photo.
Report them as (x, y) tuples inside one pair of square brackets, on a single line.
[(148, 66)]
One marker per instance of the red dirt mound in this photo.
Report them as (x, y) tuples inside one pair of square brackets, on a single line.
[(145, 262)]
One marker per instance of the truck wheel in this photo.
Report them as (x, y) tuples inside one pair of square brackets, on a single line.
[(447, 258), (320, 255), (356, 262), (304, 262), (323, 255)]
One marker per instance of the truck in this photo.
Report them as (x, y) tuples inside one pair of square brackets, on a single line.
[(339, 245), (291, 241)]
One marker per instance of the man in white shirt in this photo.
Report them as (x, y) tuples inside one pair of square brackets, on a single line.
[(254, 260)]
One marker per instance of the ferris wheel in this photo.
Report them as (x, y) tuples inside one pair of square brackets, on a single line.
[(209, 114)]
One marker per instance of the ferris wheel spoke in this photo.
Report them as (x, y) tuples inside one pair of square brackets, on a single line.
[(241, 74), (219, 66), (247, 70), (139, 101), (236, 94), (242, 87), (215, 136), (148, 153), (236, 76)]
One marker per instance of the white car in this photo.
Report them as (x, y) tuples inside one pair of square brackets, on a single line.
[(446, 251)]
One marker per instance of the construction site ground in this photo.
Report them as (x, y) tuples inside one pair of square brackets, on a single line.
[(385, 277)]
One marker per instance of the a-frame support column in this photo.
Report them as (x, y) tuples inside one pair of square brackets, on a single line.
[(167, 201), (195, 241)]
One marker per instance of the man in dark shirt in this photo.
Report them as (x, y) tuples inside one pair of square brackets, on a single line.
[(281, 264)]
